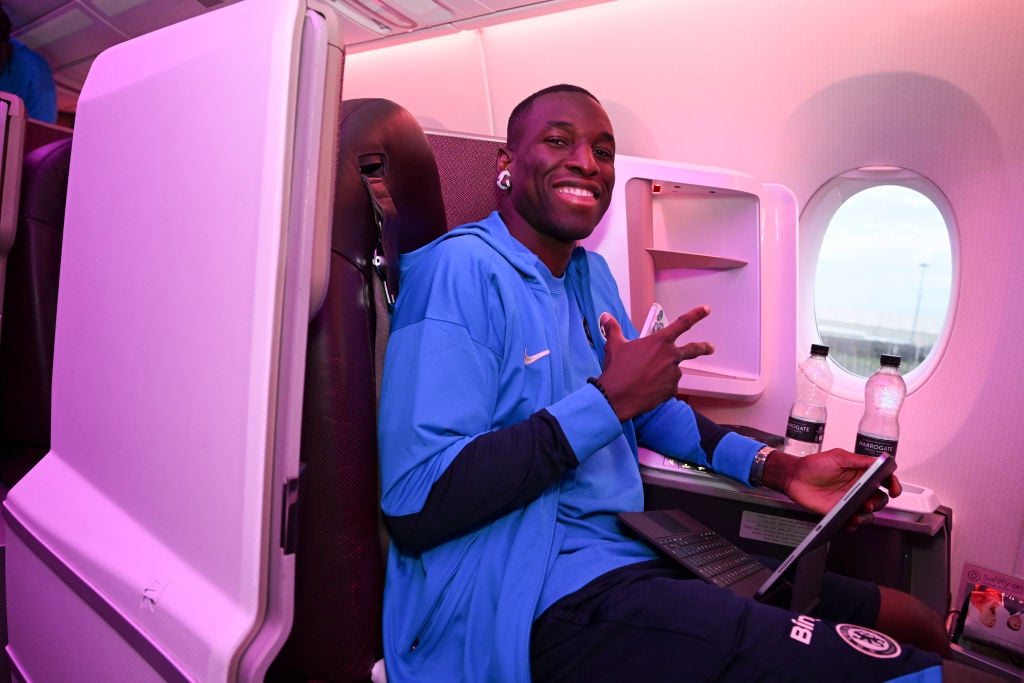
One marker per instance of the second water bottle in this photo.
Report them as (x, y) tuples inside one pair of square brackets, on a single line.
[(879, 428), (806, 426)]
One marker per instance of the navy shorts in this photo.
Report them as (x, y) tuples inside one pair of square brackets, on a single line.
[(654, 622)]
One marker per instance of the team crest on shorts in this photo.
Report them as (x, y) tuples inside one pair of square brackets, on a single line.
[(868, 642)]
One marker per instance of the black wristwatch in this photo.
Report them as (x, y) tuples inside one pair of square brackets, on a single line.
[(757, 467)]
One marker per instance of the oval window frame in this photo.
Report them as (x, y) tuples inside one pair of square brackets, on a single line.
[(815, 219)]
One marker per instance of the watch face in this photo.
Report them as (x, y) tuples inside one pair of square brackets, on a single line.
[(757, 468)]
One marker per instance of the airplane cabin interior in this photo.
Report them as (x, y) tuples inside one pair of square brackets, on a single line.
[(196, 267)]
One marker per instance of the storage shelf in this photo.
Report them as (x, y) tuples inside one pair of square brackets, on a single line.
[(667, 260)]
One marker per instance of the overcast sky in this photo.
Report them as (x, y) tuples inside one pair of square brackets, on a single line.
[(870, 267)]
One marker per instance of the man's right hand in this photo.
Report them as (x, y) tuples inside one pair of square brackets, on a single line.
[(641, 374)]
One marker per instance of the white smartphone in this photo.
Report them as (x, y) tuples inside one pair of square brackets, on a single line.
[(655, 320)]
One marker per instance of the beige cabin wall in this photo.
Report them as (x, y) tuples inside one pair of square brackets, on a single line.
[(795, 93)]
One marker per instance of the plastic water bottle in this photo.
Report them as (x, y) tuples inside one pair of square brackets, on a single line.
[(806, 426), (879, 429)]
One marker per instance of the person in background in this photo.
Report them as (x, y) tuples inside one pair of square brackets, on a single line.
[(26, 74), (515, 393)]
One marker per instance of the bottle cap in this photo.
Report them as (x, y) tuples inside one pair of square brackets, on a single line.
[(891, 361), (819, 350)]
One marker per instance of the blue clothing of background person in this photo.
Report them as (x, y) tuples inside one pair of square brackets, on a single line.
[(26, 74)]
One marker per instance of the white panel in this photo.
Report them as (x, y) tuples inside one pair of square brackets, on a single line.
[(157, 493), (684, 236), (314, 157), (778, 315), (105, 657)]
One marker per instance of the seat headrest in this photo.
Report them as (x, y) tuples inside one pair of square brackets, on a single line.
[(382, 143)]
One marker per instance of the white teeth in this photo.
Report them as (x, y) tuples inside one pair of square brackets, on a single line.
[(576, 192)]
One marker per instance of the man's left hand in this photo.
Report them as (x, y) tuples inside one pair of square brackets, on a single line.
[(819, 480)]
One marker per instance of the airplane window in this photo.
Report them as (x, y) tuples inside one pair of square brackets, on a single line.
[(883, 281)]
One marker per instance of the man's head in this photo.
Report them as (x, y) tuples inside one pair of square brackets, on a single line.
[(560, 156), (515, 119)]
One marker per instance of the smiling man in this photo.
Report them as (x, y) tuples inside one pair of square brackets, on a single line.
[(561, 152), (515, 393)]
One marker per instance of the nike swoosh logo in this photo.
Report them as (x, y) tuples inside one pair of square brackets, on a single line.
[(529, 360)]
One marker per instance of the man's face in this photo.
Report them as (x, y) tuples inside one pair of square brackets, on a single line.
[(562, 166)]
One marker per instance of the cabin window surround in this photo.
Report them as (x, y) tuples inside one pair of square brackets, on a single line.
[(826, 221)]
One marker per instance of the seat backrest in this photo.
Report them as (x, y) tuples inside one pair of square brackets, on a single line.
[(30, 309), (387, 201), (468, 170)]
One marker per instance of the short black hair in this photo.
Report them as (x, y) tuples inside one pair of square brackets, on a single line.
[(523, 108)]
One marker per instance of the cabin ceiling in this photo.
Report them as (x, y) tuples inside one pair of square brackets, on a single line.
[(69, 34)]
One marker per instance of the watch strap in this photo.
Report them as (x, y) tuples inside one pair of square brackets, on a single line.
[(757, 467)]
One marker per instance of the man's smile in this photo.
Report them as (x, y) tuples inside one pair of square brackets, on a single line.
[(575, 193)]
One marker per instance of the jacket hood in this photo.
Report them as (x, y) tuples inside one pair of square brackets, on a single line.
[(492, 230)]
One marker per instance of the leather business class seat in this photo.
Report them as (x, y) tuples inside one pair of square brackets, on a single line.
[(387, 201), (30, 310), (391, 197)]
